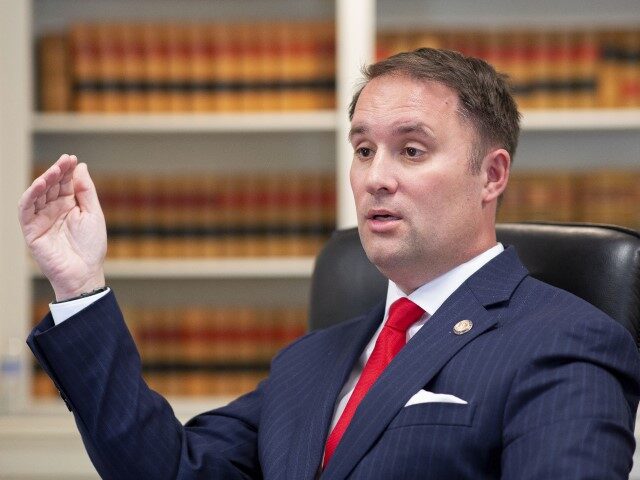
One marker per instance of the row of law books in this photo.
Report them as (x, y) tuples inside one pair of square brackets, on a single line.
[(569, 68), (208, 215), (188, 67), (600, 196), (202, 350)]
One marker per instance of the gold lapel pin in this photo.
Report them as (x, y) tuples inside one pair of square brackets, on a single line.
[(462, 327)]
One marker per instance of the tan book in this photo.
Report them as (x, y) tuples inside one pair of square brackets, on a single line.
[(170, 218), (179, 81), (112, 72), (194, 327), (325, 40), (610, 196), (251, 45), (586, 68), (155, 40), (229, 74), (201, 66), (539, 196), (192, 384), (630, 70), (273, 187), (54, 76), (521, 46), (576, 86), (144, 204), (541, 70), (171, 346), (201, 210), (251, 216), (292, 215), (86, 68), (244, 329), (271, 50), (215, 215), (134, 67), (549, 196), (231, 199), (117, 195), (290, 70), (305, 69), (186, 207), (609, 69)]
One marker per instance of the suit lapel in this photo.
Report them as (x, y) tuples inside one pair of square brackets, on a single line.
[(424, 355), (346, 346)]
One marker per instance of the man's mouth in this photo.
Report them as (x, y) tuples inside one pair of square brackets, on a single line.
[(385, 217), (382, 215)]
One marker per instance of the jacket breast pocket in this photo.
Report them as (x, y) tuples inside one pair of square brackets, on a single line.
[(434, 413)]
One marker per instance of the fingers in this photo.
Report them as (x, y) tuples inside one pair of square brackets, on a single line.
[(59, 172), (26, 205), (47, 187), (66, 182), (85, 190)]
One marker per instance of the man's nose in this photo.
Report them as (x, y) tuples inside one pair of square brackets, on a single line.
[(381, 174)]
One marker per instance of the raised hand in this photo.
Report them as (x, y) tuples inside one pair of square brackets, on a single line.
[(64, 228)]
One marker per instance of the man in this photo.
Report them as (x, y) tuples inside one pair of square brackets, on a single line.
[(501, 376)]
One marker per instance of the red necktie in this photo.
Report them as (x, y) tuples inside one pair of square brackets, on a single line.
[(402, 314)]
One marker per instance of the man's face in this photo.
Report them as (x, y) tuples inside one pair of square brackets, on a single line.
[(419, 207)]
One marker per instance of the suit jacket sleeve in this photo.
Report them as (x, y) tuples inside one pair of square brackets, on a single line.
[(571, 408), (129, 431)]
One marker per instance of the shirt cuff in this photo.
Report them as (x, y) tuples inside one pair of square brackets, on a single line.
[(62, 311)]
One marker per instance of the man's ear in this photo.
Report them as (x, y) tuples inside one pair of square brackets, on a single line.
[(495, 169)]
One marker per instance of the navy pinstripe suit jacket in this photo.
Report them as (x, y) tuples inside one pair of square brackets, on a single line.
[(552, 386)]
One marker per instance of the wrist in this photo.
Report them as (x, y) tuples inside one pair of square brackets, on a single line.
[(95, 291), (78, 291)]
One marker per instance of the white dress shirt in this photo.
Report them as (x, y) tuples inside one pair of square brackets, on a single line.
[(61, 311)]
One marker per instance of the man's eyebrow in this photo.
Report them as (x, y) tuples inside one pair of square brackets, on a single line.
[(413, 128), (357, 130), (402, 129)]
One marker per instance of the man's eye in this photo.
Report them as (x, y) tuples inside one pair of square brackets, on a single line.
[(363, 152), (412, 152)]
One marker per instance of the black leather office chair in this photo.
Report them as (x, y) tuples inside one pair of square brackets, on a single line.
[(599, 263)]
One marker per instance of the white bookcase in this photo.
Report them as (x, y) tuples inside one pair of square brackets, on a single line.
[(243, 142)]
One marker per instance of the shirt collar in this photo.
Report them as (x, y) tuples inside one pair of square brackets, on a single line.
[(433, 294)]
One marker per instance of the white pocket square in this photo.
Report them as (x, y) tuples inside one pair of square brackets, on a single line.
[(429, 397)]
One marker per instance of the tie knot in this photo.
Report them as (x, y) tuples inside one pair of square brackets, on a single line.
[(403, 313)]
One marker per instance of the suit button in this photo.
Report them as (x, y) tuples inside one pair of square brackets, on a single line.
[(463, 326)]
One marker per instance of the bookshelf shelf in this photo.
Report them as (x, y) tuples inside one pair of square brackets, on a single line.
[(47, 432), (272, 267), (320, 121), (578, 120), (166, 123)]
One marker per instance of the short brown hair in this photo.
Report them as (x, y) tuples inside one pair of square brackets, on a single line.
[(484, 95)]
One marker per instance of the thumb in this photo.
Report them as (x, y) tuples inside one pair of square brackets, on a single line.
[(85, 190)]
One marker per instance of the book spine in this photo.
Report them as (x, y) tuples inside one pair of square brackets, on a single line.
[(54, 76), (85, 55)]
